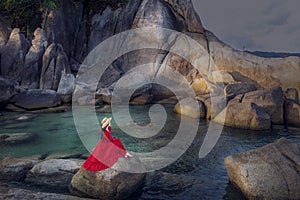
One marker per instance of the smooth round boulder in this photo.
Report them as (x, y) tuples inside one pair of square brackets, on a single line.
[(109, 183), (36, 99), (185, 107), (269, 172)]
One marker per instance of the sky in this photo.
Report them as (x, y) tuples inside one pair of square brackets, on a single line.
[(262, 25)]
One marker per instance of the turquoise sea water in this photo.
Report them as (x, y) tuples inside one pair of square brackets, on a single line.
[(187, 178)]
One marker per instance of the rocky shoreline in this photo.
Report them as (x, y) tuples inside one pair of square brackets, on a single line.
[(64, 175), (238, 107), (7, 192), (270, 171), (246, 107)]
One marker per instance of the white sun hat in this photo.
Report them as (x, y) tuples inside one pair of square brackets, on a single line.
[(105, 122)]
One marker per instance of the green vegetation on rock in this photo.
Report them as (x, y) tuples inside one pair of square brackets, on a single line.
[(29, 14), (26, 14)]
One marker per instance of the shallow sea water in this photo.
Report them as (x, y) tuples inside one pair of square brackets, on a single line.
[(187, 178)]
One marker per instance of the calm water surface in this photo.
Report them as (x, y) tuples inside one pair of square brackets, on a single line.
[(187, 178)]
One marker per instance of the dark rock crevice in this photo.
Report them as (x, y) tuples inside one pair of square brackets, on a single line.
[(164, 56), (209, 52)]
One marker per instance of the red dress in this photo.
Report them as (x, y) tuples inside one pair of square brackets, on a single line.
[(106, 153)]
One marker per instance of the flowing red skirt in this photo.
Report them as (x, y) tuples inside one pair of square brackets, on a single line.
[(106, 154)]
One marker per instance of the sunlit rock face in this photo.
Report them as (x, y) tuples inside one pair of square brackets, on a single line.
[(177, 16), (266, 72), (219, 62)]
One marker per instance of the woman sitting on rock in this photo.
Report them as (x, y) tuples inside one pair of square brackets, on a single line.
[(107, 152)]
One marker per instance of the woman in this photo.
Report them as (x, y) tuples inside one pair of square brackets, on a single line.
[(107, 152)]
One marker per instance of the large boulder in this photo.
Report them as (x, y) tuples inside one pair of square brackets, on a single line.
[(269, 172), (270, 100), (12, 61), (245, 116), (33, 61), (174, 15), (56, 173), (185, 107), (66, 87), (292, 113), (36, 99), (15, 169), (109, 183), (7, 90), (55, 62)]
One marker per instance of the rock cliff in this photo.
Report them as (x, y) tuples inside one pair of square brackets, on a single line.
[(68, 38)]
